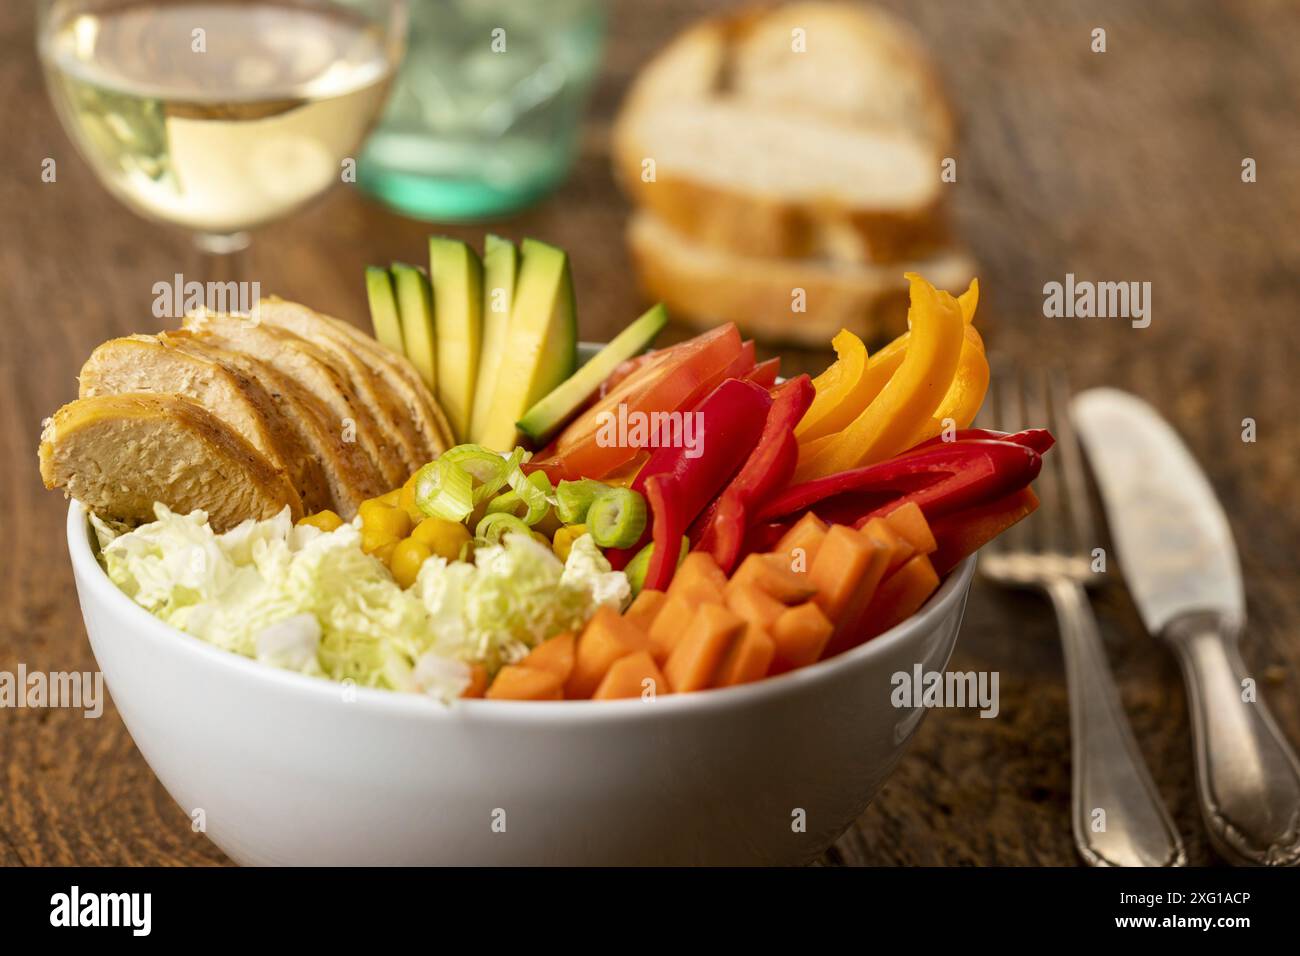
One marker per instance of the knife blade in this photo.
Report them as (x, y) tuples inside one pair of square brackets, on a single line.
[(1173, 541), (1177, 556)]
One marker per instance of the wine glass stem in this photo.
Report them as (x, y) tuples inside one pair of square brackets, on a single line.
[(223, 256)]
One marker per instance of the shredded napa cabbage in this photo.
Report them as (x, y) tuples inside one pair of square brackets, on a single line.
[(314, 602)]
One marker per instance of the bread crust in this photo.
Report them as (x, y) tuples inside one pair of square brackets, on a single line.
[(704, 287), (721, 61)]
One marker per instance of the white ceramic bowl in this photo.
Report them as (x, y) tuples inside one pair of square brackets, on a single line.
[(289, 769)]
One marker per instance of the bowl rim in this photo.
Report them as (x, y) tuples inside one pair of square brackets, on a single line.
[(90, 574)]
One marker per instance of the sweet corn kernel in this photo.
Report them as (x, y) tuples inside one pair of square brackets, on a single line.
[(408, 555), (385, 553), (564, 538), (325, 520), (390, 497), (379, 517), (406, 501), (372, 541), (443, 538)]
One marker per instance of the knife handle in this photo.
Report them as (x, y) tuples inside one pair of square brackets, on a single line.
[(1117, 815), (1247, 775)]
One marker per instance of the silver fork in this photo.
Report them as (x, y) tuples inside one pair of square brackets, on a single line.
[(1117, 815)]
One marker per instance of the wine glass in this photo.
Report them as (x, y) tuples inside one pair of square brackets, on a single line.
[(219, 115)]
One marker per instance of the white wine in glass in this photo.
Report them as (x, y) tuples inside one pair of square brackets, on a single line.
[(219, 115)]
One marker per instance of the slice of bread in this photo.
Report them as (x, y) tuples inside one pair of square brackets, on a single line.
[(705, 286), (811, 130), (758, 182), (859, 64), (118, 454)]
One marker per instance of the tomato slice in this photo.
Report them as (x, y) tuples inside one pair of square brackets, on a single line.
[(672, 380)]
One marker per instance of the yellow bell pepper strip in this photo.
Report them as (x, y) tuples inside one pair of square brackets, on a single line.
[(841, 390), (849, 387), (965, 395), (907, 400)]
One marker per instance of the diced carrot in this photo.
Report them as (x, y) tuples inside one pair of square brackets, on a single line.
[(963, 533), (699, 576), (478, 681), (908, 522), (700, 651), (802, 542), (748, 660), (846, 563), (555, 654), (607, 637), (901, 550), (900, 596), (515, 682), (773, 573), (632, 676), (645, 607), (696, 593), (886, 548), (799, 636), (670, 624), (755, 605)]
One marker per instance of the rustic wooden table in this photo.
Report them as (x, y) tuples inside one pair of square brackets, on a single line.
[(1124, 165)]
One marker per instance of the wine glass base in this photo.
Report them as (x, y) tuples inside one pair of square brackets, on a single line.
[(222, 244)]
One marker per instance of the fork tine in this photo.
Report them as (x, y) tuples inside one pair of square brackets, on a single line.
[(1083, 525), (1051, 526), (1006, 414), (990, 416)]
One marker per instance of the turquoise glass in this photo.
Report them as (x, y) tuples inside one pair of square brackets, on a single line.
[(486, 113)]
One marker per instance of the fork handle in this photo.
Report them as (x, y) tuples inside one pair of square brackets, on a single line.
[(1117, 815), (1247, 776)]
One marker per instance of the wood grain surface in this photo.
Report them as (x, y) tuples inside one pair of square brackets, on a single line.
[(1121, 166)]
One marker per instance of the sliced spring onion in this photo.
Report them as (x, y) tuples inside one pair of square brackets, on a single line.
[(443, 489), (529, 511), (496, 525), (487, 467), (573, 498), (636, 568), (616, 519), (534, 491)]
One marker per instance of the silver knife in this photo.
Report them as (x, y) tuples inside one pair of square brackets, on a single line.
[(1176, 552)]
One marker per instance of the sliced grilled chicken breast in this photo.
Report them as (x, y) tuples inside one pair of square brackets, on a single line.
[(371, 385), (313, 369), (144, 363), (350, 474), (425, 411), (118, 454)]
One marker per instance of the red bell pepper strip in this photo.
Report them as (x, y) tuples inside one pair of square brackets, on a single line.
[(728, 424), (765, 373), (767, 469), (1039, 439), (663, 493), (743, 363), (940, 479), (964, 532), (671, 381)]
